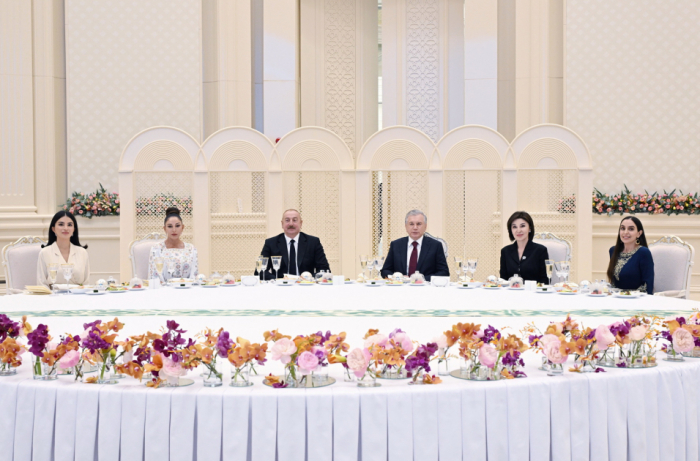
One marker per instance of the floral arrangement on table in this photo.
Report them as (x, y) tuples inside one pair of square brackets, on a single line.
[(243, 356), (668, 203), (172, 356), (10, 349), (302, 356), (682, 337), (628, 343), (156, 205), (98, 345), (47, 353), (487, 354), (98, 203), (418, 364), (389, 352)]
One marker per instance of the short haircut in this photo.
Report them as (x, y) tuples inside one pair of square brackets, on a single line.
[(525, 216), (291, 209), (415, 213)]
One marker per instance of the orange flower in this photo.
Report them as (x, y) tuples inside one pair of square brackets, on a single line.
[(154, 383), (506, 374), (370, 332), (452, 337), (567, 348), (466, 330), (26, 327), (428, 379), (554, 329), (272, 379), (91, 380), (333, 358), (580, 346), (274, 335), (9, 352), (132, 369)]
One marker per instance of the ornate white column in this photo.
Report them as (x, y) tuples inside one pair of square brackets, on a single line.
[(423, 64), (227, 58), (481, 63), (339, 73), (280, 67)]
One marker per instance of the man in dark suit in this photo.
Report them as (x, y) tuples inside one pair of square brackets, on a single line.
[(416, 252), (300, 252)]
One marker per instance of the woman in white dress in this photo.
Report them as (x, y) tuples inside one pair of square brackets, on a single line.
[(182, 256), (63, 248)]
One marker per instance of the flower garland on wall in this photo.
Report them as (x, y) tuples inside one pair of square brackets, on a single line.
[(156, 205), (98, 203), (668, 203)]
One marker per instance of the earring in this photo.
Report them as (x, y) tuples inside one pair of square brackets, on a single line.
[(637, 240)]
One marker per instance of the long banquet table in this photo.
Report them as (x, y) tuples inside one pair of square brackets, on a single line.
[(621, 414)]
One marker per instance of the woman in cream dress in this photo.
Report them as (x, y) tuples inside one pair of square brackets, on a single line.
[(183, 256), (63, 248)]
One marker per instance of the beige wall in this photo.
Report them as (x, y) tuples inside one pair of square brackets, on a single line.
[(633, 90)]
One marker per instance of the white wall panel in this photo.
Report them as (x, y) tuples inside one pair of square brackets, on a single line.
[(130, 65)]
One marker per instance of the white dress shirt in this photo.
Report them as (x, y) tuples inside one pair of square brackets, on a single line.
[(78, 257), (410, 250), (296, 251)]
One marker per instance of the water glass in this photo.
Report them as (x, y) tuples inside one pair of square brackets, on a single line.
[(276, 263)]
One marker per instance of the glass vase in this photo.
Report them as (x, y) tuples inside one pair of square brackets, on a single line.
[(443, 368), (7, 370), (104, 373), (607, 357), (240, 377), (587, 366), (555, 369), (349, 376), (292, 378), (369, 379), (672, 355), (320, 375), (545, 364), (213, 376), (43, 371), (465, 367), (394, 373), (113, 366)]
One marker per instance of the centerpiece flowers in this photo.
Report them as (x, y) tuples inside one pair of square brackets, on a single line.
[(418, 365), (488, 354), (100, 346), (389, 352), (172, 356), (301, 357), (10, 349), (632, 345), (47, 353), (561, 330), (243, 356), (682, 336)]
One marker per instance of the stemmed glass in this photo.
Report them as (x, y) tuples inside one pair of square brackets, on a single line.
[(565, 266), (549, 265), (171, 270), (159, 266), (53, 272), (258, 265), (276, 263), (263, 266), (370, 265), (471, 266), (67, 270), (465, 269), (458, 260), (378, 264), (363, 263)]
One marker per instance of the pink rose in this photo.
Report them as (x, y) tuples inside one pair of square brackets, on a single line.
[(638, 333), (552, 352), (683, 340), (283, 349), (378, 339), (488, 355), (650, 208), (358, 361), (172, 369), (440, 340), (307, 362), (404, 341), (546, 339), (69, 360), (604, 338)]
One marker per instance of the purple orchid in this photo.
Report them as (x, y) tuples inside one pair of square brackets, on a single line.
[(38, 339), (91, 325), (323, 337), (421, 358), (621, 328), (533, 338), (393, 333), (490, 333), (8, 328), (94, 341), (224, 344), (599, 370)]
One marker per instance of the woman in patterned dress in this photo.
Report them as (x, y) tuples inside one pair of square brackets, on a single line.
[(172, 249), (631, 264)]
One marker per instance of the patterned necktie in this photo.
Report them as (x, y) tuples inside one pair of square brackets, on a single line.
[(292, 258), (413, 261)]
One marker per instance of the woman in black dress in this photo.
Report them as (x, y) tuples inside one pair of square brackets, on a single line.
[(523, 257)]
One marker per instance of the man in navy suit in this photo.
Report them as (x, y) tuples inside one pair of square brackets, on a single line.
[(300, 252), (416, 252)]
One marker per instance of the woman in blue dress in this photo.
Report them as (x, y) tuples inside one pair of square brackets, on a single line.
[(631, 265)]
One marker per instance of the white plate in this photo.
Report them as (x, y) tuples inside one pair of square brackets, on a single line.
[(378, 284), (289, 284), (349, 282), (182, 287), (136, 289), (115, 292), (92, 293), (618, 295), (464, 287), (230, 284), (305, 284), (79, 291), (519, 288), (491, 288), (567, 292), (545, 292), (419, 284), (66, 287), (597, 296), (319, 283), (209, 286), (395, 285)]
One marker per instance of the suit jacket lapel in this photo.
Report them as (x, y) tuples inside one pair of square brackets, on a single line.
[(302, 247), (529, 250), (282, 248), (514, 252), (427, 242)]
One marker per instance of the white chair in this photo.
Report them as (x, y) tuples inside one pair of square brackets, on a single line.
[(140, 251), (558, 249), (673, 260), (20, 259), (442, 241)]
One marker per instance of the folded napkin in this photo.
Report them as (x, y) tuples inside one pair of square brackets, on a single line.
[(37, 290)]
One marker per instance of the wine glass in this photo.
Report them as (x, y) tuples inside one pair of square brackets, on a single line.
[(549, 265), (471, 265), (565, 269), (159, 266), (363, 264), (378, 264), (458, 261), (171, 270), (370, 266), (465, 269), (53, 272), (263, 265), (258, 265), (276, 263), (67, 270)]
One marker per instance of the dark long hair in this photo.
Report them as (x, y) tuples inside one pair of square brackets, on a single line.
[(525, 216), (52, 235), (619, 246)]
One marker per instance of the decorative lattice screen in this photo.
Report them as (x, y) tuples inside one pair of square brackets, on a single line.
[(395, 193), (316, 194), (472, 200), (238, 220), (155, 191), (550, 198)]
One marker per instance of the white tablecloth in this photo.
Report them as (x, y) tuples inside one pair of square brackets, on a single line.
[(622, 414)]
